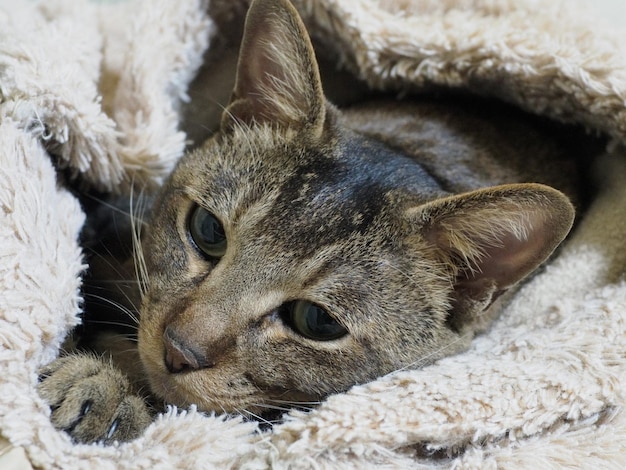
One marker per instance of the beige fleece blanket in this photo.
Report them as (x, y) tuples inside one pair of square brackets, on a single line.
[(96, 91)]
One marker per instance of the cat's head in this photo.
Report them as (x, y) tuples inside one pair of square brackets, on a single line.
[(286, 262)]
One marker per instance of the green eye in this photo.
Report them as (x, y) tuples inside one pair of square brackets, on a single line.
[(207, 233), (313, 322)]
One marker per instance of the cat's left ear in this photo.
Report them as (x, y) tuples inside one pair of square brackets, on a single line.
[(492, 239), (278, 79)]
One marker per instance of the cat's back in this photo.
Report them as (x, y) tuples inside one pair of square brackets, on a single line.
[(465, 144)]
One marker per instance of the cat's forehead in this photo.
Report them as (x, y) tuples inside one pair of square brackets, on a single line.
[(264, 157)]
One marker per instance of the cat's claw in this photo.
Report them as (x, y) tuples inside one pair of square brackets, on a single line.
[(91, 400)]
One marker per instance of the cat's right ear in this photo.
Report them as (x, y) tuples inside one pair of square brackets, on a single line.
[(278, 80), (492, 238)]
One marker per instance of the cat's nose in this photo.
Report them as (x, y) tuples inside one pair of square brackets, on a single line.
[(180, 357)]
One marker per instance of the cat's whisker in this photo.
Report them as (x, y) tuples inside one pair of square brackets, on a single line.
[(114, 323), (132, 314), (107, 258), (234, 120), (254, 416), (284, 409), (122, 308), (143, 390), (224, 412), (141, 270), (267, 406), (106, 204), (130, 350), (120, 340), (122, 287), (295, 403), (196, 95), (116, 282)]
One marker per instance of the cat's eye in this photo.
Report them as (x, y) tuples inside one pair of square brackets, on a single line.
[(313, 322), (207, 233)]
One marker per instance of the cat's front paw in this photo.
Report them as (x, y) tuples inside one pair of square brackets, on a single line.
[(91, 400)]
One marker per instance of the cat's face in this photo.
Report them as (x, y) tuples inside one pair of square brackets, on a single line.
[(285, 262), (276, 265)]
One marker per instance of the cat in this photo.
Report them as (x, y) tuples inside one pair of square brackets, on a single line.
[(304, 249)]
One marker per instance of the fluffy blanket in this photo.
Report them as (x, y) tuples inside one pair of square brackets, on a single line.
[(93, 93)]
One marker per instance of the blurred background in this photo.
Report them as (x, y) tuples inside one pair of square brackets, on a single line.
[(613, 10)]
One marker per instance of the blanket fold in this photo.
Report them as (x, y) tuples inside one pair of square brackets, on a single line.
[(95, 92)]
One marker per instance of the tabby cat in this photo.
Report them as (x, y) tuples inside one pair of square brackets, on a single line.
[(304, 249)]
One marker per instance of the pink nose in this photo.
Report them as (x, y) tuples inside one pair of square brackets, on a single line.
[(180, 357)]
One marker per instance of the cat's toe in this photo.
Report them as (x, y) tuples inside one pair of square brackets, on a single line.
[(91, 400)]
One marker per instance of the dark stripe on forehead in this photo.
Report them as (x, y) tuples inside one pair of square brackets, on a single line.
[(333, 195)]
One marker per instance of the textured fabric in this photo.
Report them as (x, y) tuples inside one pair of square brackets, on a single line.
[(98, 89)]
